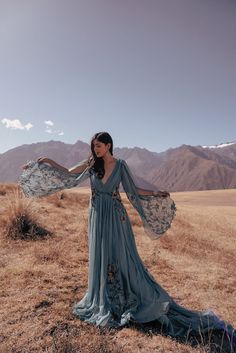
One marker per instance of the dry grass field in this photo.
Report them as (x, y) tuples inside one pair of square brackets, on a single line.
[(41, 277)]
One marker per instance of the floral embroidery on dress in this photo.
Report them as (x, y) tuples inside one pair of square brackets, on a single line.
[(119, 205), (93, 197), (115, 291), (115, 195), (41, 179), (159, 212)]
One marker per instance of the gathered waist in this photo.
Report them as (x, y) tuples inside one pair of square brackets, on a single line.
[(113, 194), (113, 199)]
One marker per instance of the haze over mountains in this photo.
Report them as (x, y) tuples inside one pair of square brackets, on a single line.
[(184, 168)]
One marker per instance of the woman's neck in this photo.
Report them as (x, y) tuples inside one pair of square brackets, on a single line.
[(108, 158)]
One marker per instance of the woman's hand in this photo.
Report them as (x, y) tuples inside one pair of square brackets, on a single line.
[(39, 160), (161, 193), (90, 162), (44, 160)]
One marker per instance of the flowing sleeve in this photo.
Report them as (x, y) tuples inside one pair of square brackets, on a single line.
[(41, 179), (156, 212)]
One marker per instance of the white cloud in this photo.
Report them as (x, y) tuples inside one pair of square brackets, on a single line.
[(28, 126), (16, 124), (49, 122), (13, 124)]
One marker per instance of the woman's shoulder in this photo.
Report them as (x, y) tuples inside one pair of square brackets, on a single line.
[(120, 161), (122, 164)]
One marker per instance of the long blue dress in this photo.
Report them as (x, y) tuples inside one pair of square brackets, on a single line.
[(120, 288)]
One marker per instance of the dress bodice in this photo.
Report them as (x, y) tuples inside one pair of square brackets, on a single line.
[(108, 191), (112, 183)]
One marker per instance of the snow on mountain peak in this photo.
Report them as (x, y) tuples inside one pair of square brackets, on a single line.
[(221, 145)]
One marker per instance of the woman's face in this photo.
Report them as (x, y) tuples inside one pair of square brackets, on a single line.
[(100, 148)]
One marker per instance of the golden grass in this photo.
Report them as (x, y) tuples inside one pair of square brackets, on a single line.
[(40, 280), (8, 189), (21, 218)]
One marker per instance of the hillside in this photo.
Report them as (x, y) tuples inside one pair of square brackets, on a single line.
[(193, 168), (185, 168), (41, 279)]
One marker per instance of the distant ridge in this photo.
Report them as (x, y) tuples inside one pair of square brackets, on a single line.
[(184, 168), (221, 145)]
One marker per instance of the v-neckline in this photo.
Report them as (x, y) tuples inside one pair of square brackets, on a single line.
[(110, 174)]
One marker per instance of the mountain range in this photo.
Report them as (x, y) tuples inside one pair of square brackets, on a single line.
[(185, 168)]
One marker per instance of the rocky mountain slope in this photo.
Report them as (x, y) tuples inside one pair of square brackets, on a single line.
[(184, 168)]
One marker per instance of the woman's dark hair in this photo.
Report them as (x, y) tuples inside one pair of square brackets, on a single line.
[(98, 166)]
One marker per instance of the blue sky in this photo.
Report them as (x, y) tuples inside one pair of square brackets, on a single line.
[(154, 73)]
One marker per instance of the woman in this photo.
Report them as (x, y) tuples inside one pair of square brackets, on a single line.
[(120, 288)]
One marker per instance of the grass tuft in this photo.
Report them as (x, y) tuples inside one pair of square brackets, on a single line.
[(21, 219)]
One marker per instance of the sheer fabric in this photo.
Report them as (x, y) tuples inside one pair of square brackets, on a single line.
[(156, 212), (41, 179)]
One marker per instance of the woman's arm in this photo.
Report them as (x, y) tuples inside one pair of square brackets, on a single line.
[(75, 170), (78, 169), (144, 191), (152, 193)]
